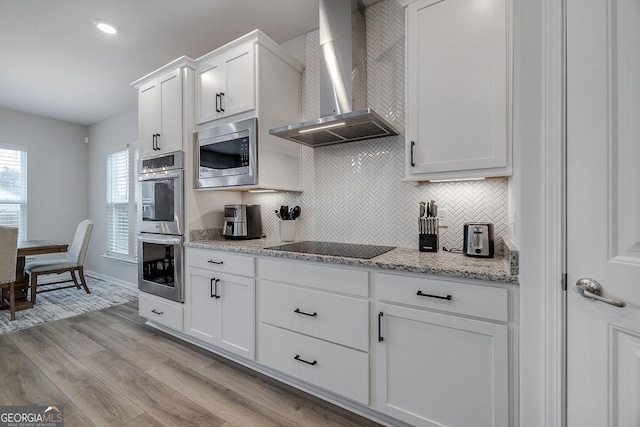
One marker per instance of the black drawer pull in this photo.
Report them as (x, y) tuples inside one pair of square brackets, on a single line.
[(297, 310), (299, 359), (448, 297), (215, 262), (380, 337), (157, 312)]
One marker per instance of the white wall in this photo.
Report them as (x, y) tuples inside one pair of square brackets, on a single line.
[(116, 131), (57, 173)]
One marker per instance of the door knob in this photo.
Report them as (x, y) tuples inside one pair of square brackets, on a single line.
[(590, 288)]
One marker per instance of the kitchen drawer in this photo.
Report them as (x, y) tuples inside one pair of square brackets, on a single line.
[(472, 300), (161, 311), (220, 261), (338, 318), (315, 275), (333, 367)]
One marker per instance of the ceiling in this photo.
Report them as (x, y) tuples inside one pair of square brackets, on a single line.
[(55, 63)]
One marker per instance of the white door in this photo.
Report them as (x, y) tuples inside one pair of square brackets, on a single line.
[(240, 81), (170, 138), (210, 82), (148, 117), (603, 119), (236, 315)]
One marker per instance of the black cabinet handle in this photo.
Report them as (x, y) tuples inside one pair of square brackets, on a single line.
[(299, 359), (297, 310), (221, 96), (153, 141), (413, 144), (157, 312), (380, 338), (215, 262), (447, 297), (217, 102), (214, 288)]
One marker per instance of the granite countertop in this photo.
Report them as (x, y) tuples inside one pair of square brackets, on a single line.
[(401, 259)]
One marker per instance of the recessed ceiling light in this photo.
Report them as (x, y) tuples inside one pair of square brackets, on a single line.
[(105, 26)]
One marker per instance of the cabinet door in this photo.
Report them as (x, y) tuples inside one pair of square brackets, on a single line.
[(236, 315), (225, 84), (457, 97), (440, 370), (170, 138), (210, 82), (239, 96), (201, 315), (148, 117)]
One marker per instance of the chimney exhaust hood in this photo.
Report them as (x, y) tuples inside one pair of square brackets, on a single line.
[(343, 82)]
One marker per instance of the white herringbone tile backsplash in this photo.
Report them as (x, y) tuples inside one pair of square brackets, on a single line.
[(353, 192)]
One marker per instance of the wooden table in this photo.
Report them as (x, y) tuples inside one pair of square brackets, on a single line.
[(29, 248)]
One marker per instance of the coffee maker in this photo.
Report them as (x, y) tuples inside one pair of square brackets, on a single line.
[(242, 222)]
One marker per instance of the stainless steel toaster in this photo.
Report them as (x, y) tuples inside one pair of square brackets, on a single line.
[(242, 222), (478, 239)]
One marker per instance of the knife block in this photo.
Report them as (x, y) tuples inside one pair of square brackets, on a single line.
[(428, 242)]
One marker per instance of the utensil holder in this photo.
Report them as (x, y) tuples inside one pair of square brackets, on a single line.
[(428, 243), (287, 230)]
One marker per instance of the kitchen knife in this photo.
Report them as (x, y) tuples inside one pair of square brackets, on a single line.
[(422, 209)]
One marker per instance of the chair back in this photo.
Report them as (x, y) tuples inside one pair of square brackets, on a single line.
[(78, 250), (8, 254)]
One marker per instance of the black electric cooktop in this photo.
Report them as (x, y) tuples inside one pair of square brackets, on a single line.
[(348, 250)]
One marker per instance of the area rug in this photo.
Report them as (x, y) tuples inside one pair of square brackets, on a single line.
[(51, 306)]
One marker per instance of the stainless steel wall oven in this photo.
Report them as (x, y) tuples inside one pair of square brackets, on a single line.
[(161, 225)]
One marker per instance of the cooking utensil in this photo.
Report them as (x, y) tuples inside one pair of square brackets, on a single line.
[(295, 212), (284, 212), (422, 209)]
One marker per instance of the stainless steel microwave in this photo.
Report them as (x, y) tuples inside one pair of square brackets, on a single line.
[(226, 155)]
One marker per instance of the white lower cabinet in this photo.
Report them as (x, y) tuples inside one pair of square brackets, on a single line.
[(221, 310), (161, 310), (314, 325), (339, 369), (437, 368), (403, 347)]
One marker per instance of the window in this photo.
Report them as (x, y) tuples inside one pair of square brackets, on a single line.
[(121, 202), (13, 188)]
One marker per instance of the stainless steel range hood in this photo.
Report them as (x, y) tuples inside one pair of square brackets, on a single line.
[(343, 82)]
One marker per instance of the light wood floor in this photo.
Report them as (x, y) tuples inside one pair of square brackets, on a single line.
[(108, 369)]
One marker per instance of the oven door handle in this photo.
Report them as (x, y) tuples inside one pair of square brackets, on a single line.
[(161, 240), (159, 175)]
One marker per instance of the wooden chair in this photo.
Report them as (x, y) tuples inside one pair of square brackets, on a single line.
[(74, 262), (8, 257)]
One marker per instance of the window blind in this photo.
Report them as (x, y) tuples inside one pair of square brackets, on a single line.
[(13, 188), (118, 202)]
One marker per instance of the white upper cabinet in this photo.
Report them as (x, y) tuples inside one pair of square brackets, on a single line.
[(225, 83), (254, 77), (163, 120), (458, 89), (240, 77)]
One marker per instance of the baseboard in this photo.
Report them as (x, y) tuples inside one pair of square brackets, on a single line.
[(111, 279)]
